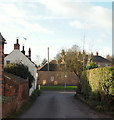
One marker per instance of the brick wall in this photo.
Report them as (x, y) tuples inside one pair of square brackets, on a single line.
[(2, 41), (16, 88), (1, 66), (102, 64), (12, 106), (57, 78)]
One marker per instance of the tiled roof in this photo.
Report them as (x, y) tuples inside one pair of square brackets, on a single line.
[(52, 67), (100, 59), (2, 38)]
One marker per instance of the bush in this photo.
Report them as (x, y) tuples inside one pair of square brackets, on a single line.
[(20, 70), (98, 84), (92, 65)]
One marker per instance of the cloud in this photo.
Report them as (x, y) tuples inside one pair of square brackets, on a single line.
[(105, 51), (101, 16), (10, 10), (13, 15), (97, 16), (6, 1), (80, 25), (29, 18)]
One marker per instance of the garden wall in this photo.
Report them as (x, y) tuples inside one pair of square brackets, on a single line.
[(17, 89)]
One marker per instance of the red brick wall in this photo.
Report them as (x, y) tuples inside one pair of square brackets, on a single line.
[(1, 65), (104, 64), (11, 106), (19, 91), (59, 78), (13, 88), (23, 91)]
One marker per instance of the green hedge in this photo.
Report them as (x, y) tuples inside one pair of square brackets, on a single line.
[(91, 65), (20, 70), (98, 84)]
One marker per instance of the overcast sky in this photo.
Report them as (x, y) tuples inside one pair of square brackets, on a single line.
[(57, 24)]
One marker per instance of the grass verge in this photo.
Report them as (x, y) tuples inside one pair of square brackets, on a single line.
[(26, 105), (58, 88)]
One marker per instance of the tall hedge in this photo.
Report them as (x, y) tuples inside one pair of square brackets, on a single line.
[(98, 84), (20, 70)]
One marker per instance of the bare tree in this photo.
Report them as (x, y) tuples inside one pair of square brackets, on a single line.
[(38, 60), (44, 61), (75, 60)]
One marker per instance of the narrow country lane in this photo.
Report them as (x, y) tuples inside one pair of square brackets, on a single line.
[(60, 104)]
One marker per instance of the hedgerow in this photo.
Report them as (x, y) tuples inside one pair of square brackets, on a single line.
[(98, 84)]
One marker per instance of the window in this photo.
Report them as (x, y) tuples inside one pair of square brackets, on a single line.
[(7, 62), (44, 82)]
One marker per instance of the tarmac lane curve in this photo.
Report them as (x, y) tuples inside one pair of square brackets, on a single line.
[(60, 104)]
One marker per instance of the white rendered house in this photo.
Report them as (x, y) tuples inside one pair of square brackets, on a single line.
[(17, 56)]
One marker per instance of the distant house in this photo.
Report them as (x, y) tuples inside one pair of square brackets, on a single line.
[(100, 61), (54, 76), (17, 56), (2, 42)]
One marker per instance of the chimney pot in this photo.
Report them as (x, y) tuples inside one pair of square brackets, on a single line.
[(23, 50), (29, 53)]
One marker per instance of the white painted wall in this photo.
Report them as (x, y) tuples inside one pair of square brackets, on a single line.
[(17, 56)]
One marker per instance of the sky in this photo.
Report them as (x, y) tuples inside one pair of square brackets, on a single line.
[(57, 24)]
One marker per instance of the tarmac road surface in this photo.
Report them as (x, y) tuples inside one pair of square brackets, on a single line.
[(60, 104)]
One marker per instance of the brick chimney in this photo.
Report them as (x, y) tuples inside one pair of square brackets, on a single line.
[(29, 53), (97, 54), (23, 50), (63, 57), (17, 46)]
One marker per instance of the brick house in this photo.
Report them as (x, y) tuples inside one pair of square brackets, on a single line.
[(2, 42), (55, 76), (100, 61)]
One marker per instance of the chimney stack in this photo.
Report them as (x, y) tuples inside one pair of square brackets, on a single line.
[(29, 53), (23, 50), (97, 54), (17, 46)]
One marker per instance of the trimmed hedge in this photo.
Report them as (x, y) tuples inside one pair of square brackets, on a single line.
[(20, 70), (91, 65), (98, 84)]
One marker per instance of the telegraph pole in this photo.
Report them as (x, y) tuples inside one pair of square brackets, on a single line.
[(48, 58), (83, 48)]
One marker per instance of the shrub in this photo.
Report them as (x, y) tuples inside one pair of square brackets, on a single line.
[(98, 84), (20, 70), (92, 65)]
